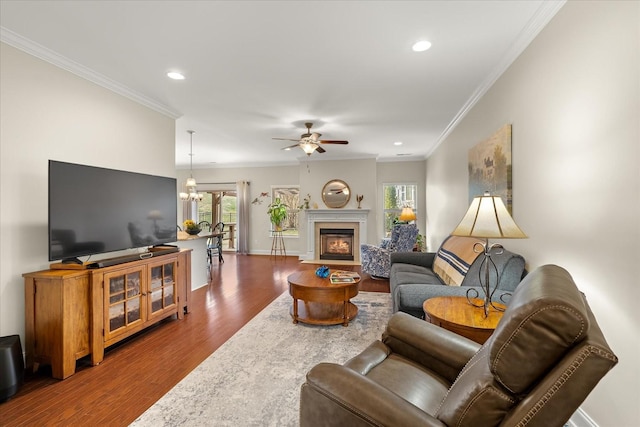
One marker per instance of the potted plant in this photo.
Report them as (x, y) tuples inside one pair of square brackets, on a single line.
[(277, 213), (191, 227)]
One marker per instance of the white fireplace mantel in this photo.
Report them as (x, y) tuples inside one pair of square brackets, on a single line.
[(313, 216)]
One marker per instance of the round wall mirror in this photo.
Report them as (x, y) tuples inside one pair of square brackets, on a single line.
[(336, 194)]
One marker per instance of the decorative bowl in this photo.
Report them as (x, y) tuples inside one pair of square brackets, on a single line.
[(193, 231), (322, 271)]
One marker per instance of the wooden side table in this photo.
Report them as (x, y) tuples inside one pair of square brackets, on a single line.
[(457, 315)]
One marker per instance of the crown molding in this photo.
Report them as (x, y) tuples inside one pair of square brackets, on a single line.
[(32, 48), (543, 15)]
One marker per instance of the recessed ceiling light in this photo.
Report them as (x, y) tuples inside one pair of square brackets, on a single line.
[(397, 143), (421, 46), (175, 75)]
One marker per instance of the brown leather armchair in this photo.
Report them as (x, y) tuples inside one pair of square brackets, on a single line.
[(544, 358)]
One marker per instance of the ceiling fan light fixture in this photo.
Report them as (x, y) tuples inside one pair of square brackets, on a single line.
[(310, 142), (421, 46), (308, 147)]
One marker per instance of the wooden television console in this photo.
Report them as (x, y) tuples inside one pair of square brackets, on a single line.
[(74, 313)]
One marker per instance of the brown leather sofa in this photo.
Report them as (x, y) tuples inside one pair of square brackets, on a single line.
[(544, 358)]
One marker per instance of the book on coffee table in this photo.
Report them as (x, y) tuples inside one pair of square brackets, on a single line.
[(344, 277), (339, 280)]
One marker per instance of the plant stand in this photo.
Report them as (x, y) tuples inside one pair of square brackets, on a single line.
[(277, 244)]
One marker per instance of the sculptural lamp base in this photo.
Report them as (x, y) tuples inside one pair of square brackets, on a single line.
[(488, 217), (487, 267)]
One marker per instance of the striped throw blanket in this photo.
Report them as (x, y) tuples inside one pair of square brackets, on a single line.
[(454, 258)]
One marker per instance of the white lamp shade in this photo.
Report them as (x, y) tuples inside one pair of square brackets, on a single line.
[(191, 182), (488, 217)]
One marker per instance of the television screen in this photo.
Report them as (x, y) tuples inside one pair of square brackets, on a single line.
[(95, 210)]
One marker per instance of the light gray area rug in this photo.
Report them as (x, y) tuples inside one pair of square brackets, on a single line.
[(254, 378)]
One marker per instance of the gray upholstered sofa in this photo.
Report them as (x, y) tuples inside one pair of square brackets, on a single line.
[(413, 281)]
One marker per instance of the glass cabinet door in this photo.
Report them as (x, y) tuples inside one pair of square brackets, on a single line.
[(123, 297), (162, 287)]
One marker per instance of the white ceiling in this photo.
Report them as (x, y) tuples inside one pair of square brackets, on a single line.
[(260, 69)]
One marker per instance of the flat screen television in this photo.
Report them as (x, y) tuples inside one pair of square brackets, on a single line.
[(94, 210)]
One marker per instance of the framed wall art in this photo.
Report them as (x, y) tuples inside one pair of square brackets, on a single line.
[(490, 167)]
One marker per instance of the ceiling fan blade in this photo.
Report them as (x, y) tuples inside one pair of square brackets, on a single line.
[(328, 141), (290, 147), (285, 139), (320, 149)]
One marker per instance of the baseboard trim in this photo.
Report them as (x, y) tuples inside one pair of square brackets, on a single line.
[(268, 253), (329, 262), (581, 419)]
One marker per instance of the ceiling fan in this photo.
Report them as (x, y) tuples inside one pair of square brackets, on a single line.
[(310, 142)]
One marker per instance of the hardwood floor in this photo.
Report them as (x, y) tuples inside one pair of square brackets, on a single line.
[(137, 372)]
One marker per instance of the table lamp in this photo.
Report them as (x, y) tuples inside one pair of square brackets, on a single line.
[(486, 218), (407, 215)]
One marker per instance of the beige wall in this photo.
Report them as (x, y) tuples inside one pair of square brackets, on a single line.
[(364, 177), (48, 113), (360, 175), (261, 180), (573, 98)]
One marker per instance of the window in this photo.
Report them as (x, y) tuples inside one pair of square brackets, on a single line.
[(395, 197), (205, 208), (218, 206), (290, 196)]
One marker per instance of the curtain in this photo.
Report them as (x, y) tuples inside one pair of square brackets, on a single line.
[(242, 189)]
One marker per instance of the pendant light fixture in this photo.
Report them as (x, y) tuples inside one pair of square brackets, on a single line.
[(192, 193)]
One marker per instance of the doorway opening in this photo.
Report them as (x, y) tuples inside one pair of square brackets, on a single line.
[(221, 206)]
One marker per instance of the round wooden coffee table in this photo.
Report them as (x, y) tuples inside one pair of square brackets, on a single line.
[(457, 315), (319, 302)]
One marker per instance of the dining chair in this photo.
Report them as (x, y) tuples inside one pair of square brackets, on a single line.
[(214, 242)]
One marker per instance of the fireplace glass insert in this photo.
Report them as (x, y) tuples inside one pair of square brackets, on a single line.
[(336, 244)]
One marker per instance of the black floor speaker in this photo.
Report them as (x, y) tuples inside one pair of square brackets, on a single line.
[(11, 366)]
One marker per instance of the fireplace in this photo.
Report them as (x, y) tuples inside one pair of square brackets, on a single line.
[(354, 220), (336, 244)]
